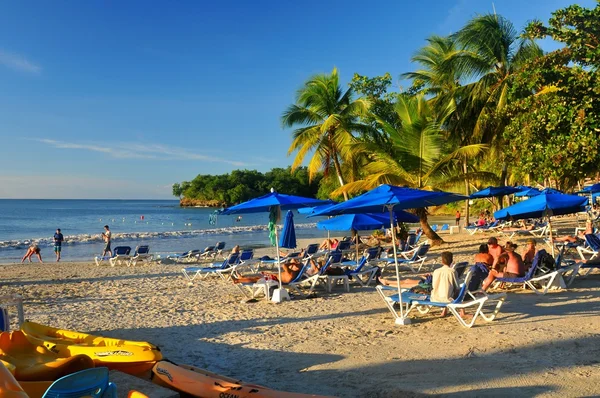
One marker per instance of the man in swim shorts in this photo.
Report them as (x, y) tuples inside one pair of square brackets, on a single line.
[(106, 235), (58, 240)]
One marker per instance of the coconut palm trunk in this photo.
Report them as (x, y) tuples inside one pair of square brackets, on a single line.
[(429, 233)]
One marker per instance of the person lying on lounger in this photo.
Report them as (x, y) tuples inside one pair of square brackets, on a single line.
[(580, 238), (289, 271)]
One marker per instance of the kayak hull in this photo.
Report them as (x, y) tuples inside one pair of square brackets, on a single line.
[(34, 363), (200, 383), (132, 357)]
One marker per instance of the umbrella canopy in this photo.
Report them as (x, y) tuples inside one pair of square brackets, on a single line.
[(288, 233), (265, 202), (386, 197), (529, 192), (543, 205), (494, 191), (391, 198), (591, 189), (310, 210), (364, 222)]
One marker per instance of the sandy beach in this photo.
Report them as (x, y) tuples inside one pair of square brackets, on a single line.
[(342, 344)]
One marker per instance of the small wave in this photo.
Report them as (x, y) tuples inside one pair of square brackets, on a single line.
[(94, 238)]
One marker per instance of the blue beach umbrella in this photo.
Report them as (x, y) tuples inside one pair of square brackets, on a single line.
[(273, 203), (391, 198), (528, 191), (311, 210), (494, 191), (364, 222), (288, 233), (591, 188), (544, 205)]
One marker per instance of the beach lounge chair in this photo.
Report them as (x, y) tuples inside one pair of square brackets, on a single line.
[(120, 255), (444, 228), (212, 251), (423, 304), (414, 262), (191, 273), (362, 269), (318, 278), (460, 268), (85, 383), (434, 228), (539, 284), (186, 257), (592, 250), (245, 259), (141, 254)]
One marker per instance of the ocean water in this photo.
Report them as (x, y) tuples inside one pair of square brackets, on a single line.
[(162, 224)]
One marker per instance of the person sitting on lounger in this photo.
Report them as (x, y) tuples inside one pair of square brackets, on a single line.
[(236, 249), (329, 244), (481, 221), (529, 253), (515, 267), (484, 256), (289, 272), (495, 250), (444, 282), (315, 267)]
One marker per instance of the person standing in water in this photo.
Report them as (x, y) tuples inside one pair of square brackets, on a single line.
[(106, 235), (58, 240)]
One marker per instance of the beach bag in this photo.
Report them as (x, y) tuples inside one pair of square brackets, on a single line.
[(422, 288), (547, 263)]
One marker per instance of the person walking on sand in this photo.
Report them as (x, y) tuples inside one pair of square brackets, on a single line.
[(106, 235), (31, 250), (58, 240), (457, 217)]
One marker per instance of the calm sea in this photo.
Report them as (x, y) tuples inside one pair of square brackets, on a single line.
[(162, 224)]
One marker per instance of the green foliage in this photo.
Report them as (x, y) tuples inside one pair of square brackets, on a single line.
[(554, 122), (241, 185)]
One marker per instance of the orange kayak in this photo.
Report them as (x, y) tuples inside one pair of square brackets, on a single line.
[(9, 388), (133, 357), (34, 363), (201, 383)]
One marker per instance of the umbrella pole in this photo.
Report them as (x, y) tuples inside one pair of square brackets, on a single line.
[(402, 320), (279, 294), (356, 243), (551, 238)]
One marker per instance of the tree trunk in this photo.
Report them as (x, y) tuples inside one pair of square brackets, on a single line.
[(467, 206), (503, 178), (338, 170), (429, 233)]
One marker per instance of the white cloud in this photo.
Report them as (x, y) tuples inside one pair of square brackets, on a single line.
[(138, 151), (19, 63)]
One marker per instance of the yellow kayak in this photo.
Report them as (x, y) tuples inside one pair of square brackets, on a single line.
[(201, 383), (133, 357), (30, 362)]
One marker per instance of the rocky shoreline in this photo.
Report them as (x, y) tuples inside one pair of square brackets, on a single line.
[(187, 202)]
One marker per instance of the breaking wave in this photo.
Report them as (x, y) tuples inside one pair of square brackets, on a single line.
[(121, 236)]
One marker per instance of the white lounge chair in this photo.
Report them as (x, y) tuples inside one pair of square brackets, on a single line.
[(414, 262), (318, 278), (141, 255), (191, 273), (120, 255)]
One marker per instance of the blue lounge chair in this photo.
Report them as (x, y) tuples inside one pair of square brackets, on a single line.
[(539, 284), (246, 259), (192, 273), (423, 304), (363, 268), (141, 254), (86, 383), (212, 251), (120, 255), (334, 258), (189, 256), (460, 268), (414, 262)]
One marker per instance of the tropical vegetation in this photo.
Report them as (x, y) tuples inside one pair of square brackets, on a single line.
[(484, 106)]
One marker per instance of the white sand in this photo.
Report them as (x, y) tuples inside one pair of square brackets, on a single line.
[(343, 344)]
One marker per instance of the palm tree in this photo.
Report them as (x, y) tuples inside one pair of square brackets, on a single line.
[(327, 117), (492, 52), (418, 156)]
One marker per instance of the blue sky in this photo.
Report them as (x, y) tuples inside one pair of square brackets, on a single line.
[(120, 99)]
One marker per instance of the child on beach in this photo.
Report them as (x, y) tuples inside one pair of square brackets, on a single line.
[(33, 249)]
